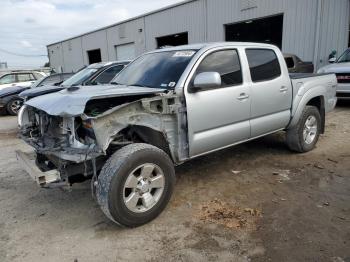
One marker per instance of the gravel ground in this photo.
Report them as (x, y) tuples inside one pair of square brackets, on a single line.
[(253, 202)]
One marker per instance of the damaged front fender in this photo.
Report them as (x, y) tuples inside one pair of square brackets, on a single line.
[(158, 113)]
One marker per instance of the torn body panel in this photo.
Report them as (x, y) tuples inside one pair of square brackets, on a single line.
[(161, 113)]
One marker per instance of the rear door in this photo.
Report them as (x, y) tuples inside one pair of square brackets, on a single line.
[(218, 117), (271, 91)]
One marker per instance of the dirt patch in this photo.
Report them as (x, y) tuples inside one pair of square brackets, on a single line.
[(228, 215), (305, 200)]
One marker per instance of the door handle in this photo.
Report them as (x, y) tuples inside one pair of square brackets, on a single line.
[(243, 96), (283, 89)]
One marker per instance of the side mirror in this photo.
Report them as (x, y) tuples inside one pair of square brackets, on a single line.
[(332, 60), (206, 80)]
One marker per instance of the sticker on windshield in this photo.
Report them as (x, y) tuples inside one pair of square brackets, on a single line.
[(164, 85), (184, 54), (172, 84)]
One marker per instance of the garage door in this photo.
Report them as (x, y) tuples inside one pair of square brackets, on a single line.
[(264, 30), (125, 52)]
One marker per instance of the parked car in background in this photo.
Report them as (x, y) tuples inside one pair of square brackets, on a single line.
[(341, 67), (9, 97), (167, 107), (23, 78), (95, 74), (296, 65)]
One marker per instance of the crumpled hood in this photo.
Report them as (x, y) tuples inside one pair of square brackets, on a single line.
[(11, 90), (72, 103), (336, 68)]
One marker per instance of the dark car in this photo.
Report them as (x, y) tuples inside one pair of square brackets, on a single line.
[(296, 65), (11, 102), (95, 74)]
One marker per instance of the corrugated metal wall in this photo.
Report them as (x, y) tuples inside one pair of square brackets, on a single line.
[(189, 18), (205, 20), (73, 60), (130, 32)]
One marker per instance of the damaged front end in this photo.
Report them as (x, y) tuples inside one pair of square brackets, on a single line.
[(64, 144), (70, 149)]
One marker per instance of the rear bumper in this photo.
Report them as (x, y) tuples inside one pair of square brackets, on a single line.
[(43, 179)]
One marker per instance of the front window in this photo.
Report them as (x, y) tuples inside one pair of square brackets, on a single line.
[(156, 70), (345, 57), (7, 79), (226, 63), (79, 77)]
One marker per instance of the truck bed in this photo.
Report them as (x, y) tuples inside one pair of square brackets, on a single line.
[(305, 75)]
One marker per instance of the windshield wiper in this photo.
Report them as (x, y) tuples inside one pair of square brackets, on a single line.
[(139, 85)]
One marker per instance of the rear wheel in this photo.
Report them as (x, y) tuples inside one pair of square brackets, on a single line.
[(304, 136), (135, 184), (13, 106)]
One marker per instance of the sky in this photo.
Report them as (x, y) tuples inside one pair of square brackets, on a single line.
[(27, 26)]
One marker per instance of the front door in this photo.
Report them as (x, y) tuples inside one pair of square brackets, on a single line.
[(219, 117)]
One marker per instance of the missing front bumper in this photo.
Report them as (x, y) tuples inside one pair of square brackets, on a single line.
[(43, 179)]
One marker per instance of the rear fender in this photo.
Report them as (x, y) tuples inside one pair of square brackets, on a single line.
[(302, 99)]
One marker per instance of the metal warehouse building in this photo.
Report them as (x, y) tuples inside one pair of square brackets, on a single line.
[(311, 29)]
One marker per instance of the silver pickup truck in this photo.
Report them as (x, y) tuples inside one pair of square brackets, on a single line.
[(167, 107)]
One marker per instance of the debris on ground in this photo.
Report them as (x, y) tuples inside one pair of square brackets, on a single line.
[(332, 160), (319, 166), (222, 213), (284, 174), (236, 172), (253, 212)]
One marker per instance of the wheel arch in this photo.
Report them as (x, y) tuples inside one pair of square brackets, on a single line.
[(319, 103), (314, 97), (148, 135)]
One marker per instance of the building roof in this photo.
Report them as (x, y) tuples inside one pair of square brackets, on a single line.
[(125, 21)]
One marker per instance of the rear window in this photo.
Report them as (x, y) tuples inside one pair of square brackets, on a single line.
[(289, 62), (263, 64), (25, 77)]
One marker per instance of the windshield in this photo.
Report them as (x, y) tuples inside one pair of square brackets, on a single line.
[(156, 70), (345, 57), (79, 77), (37, 82)]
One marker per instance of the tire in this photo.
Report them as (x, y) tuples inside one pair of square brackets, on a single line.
[(296, 139), (114, 190), (13, 106)]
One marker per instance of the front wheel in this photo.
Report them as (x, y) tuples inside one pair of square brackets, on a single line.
[(13, 106), (304, 136), (135, 184)]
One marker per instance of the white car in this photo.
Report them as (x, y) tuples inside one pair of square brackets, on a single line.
[(19, 78), (341, 67)]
